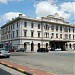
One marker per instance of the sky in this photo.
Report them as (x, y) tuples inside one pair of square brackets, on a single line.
[(37, 8)]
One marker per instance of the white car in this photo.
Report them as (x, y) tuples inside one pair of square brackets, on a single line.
[(58, 49), (49, 48), (4, 53)]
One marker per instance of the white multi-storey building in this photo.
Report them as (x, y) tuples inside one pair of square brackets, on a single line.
[(0, 34), (31, 34)]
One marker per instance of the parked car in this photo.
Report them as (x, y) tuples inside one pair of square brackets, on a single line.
[(42, 50), (49, 48), (11, 50), (4, 52), (58, 49), (52, 49), (20, 50)]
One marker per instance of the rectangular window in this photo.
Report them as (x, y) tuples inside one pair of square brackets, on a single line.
[(46, 35), (61, 28), (32, 33), (47, 27), (16, 33), (38, 34), (73, 30), (32, 25), (56, 35), (69, 29), (13, 34), (38, 26), (61, 36), (25, 24), (52, 27), (56, 27), (73, 37), (52, 35), (9, 36), (25, 33), (66, 36), (6, 29), (69, 36), (13, 26), (66, 29), (9, 28), (17, 24)]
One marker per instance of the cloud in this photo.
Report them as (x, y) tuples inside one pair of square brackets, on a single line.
[(47, 7), (6, 1), (44, 8), (8, 16), (68, 6)]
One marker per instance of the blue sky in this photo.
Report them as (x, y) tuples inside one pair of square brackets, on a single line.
[(36, 8)]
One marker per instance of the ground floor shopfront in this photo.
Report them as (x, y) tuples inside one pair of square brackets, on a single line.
[(58, 44), (34, 45)]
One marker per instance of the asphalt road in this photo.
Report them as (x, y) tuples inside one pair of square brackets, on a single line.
[(8, 71), (3, 72), (60, 63)]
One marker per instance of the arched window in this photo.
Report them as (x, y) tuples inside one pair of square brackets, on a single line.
[(74, 46), (38, 45), (25, 46), (46, 45), (32, 46), (70, 45), (66, 45)]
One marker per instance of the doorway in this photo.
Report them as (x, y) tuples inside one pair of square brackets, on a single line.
[(38, 45), (25, 46), (32, 46)]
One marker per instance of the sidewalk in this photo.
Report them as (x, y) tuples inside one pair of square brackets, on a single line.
[(24, 69)]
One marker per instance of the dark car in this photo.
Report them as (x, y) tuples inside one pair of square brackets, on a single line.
[(52, 49), (11, 50), (20, 50), (42, 50)]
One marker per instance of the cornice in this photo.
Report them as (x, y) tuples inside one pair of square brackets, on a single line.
[(35, 20)]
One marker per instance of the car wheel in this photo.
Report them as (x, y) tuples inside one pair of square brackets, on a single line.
[(8, 56)]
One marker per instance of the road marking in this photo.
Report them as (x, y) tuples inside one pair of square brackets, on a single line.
[(9, 65), (21, 69)]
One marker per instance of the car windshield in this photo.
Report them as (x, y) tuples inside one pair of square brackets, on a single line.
[(3, 49)]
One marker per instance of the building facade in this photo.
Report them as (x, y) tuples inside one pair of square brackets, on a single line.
[(0, 34), (31, 34)]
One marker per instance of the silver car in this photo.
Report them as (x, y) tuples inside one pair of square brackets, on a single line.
[(4, 53), (58, 49)]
